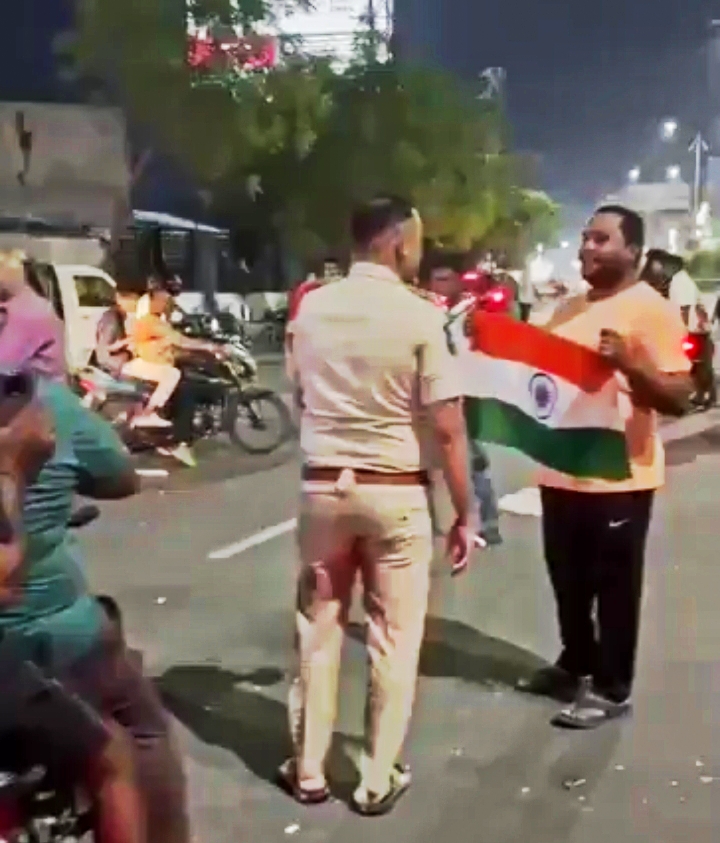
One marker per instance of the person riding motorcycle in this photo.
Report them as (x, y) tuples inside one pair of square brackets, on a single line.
[(41, 720), (48, 617), (158, 346), (114, 356), (667, 274)]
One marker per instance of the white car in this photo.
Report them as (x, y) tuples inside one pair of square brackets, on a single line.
[(80, 295)]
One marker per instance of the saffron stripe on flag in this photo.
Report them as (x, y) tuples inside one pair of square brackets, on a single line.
[(580, 452), (503, 337)]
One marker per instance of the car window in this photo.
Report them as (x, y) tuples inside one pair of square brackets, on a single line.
[(94, 291), (48, 286)]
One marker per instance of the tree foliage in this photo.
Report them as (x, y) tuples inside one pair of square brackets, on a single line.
[(309, 140), (530, 217)]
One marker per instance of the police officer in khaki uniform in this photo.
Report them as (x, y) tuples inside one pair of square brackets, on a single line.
[(372, 365)]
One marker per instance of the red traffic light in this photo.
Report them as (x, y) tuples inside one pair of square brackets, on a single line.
[(691, 347)]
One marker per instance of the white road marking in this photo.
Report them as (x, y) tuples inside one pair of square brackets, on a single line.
[(263, 536), (151, 472), (524, 502)]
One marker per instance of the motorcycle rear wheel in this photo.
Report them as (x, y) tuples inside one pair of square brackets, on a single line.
[(258, 421)]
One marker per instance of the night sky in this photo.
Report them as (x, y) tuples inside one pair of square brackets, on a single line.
[(587, 81)]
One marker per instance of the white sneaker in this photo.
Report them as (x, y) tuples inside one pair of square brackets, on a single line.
[(151, 420), (183, 453)]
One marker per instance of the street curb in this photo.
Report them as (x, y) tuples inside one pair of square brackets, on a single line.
[(269, 358)]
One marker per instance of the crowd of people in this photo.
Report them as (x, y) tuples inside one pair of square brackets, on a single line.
[(374, 359)]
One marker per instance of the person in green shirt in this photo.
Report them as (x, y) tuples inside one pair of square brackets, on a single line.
[(49, 617), (54, 618)]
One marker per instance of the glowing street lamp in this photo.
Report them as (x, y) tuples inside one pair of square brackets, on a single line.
[(634, 175), (673, 173), (668, 129)]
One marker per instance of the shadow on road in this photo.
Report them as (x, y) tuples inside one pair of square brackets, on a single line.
[(452, 649), (686, 451), (221, 709), (228, 710)]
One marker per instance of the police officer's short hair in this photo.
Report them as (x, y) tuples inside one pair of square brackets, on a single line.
[(444, 259), (373, 218)]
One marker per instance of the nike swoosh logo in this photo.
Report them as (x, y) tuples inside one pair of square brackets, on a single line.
[(615, 524)]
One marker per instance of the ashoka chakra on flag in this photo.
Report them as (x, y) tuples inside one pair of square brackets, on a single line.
[(550, 398)]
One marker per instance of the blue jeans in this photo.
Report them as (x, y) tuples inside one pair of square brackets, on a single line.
[(484, 491)]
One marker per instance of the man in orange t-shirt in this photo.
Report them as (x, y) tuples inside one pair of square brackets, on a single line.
[(595, 530)]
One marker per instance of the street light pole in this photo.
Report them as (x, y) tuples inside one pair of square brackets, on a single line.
[(699, 147)]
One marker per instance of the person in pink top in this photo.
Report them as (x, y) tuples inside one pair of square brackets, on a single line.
[(32, 336)]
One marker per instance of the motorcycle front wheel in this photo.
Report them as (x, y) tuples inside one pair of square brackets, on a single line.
[(258, 421)]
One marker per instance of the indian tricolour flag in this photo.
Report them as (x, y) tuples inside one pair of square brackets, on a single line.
[(554, 400)]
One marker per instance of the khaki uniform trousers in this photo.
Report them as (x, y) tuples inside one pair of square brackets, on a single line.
[(383, 533)]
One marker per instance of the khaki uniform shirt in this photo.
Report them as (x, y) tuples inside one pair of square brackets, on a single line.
[(369, 355)]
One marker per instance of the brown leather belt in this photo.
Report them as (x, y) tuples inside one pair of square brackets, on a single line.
[(318, 474)]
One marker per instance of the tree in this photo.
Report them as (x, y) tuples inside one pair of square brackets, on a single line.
[(412, 131), (288, 150), (530, 218), (141, 46)]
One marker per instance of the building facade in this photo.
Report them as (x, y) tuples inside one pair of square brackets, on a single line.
[(330, 27)]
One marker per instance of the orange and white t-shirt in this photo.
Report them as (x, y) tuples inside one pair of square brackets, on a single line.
[(649, 323), (154, 340)]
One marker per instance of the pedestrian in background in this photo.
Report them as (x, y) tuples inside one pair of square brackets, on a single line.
[(594, 530), (371, 358), (319, 274), (447, 284)]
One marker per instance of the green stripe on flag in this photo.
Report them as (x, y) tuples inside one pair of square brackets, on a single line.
[(580, 452)]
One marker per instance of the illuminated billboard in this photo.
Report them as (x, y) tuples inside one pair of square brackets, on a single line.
[(217, 53)]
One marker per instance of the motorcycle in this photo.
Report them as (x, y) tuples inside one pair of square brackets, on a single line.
[(699, 349), (37, 805), (224, 330), (229, 398)]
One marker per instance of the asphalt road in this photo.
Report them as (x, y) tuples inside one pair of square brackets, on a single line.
[(203, 564)]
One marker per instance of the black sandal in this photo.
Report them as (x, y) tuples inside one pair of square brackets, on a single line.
[(287, 780), (375, 806)]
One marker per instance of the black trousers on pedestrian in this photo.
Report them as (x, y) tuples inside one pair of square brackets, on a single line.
[(595, 554)]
